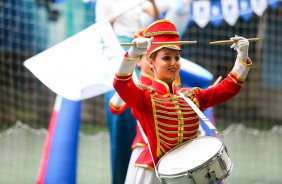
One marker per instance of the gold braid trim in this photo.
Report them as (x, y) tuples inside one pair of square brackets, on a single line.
[(176, 131), (158, 21), (161, 33), (192, 91), (176, 138), (191, 137), (116, 108), (169, 101), (169, 138), (174, 113), (130, 59), (143, 87), (172, 108), (123, 79), (245, 64), (124, 74), (190, 94), (156, 125), (235, 81), (164, 143), (168, 144), (147, 75), (138, 144), (163, 150), (240, 79), (145, 166), (176, 126), (176, 119)]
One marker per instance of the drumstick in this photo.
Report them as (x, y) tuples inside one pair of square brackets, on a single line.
[(163, 43), (217, 81), (232, 41)]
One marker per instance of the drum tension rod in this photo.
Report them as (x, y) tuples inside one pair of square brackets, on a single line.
[(212, 176)]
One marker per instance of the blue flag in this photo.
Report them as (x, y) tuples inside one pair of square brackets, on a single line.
[(274, 4), (245, 9), (190, 22), (216, 17), (230, 11)]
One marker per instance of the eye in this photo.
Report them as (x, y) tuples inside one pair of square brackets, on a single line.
[(177, 58), (167, 58)]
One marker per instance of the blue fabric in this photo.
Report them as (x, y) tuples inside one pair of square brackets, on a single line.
[(122, 130), (274, 4), (245, 10), (216, 13), (62, 162), (201, 80)]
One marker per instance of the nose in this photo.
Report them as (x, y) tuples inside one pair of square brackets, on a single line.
[(173, 62)]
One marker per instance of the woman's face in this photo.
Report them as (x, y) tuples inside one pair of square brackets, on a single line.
[(166, 64), (144, 65)]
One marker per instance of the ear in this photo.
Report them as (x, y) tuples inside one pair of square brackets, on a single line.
[(138, 62), (152, 63)]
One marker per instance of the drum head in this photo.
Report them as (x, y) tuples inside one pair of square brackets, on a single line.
[(189, 155)]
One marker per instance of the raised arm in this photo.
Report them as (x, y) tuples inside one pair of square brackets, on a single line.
[(232, 84), (123, 83), (152, 10)]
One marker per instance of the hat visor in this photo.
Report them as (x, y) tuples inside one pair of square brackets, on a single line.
[(174, 48)]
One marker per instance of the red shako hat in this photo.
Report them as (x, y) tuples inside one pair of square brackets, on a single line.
[(139, 33), (162, 31)]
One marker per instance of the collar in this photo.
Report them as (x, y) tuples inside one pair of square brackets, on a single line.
[(146, 79), (162, 87)]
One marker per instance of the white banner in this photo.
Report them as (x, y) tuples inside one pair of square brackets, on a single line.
[(179, 13), (230, 11), (82, 66), (259, 6), (201, 12)]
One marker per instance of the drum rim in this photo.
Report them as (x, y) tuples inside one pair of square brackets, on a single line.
[(217, 154)]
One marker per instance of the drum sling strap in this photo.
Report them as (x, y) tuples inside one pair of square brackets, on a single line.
[(198, 112), (201, 115)]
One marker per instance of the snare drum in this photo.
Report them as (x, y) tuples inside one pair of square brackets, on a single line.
[(202, 160)]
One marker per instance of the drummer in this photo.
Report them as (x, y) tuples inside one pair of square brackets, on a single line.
[(167, 119)]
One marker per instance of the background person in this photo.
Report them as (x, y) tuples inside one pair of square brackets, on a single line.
[(122, 127)]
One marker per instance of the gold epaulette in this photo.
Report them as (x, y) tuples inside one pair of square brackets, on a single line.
[(143, 87), (190, 94), (192, 91)]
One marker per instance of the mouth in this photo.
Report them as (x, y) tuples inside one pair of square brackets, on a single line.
[(173, 69)]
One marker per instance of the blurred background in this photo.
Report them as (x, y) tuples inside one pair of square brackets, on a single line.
[(251, 122)]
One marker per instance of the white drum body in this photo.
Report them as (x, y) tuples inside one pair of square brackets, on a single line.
[(202, 160)]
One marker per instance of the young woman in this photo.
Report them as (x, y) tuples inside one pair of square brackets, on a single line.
[(166, 118)]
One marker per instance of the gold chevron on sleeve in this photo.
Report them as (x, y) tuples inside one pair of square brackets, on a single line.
[(126, 79), (130, 59), (236, 82)]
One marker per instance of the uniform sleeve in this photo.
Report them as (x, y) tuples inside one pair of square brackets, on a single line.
[(227, 89), (125, 87), (117, 105)]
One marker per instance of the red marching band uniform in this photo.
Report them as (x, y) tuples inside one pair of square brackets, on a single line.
[(166, 118)]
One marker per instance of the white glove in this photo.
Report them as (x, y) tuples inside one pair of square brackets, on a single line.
[(242, 47), (142, 45)]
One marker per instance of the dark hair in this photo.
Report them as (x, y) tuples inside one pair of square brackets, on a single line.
[(153, 55)]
